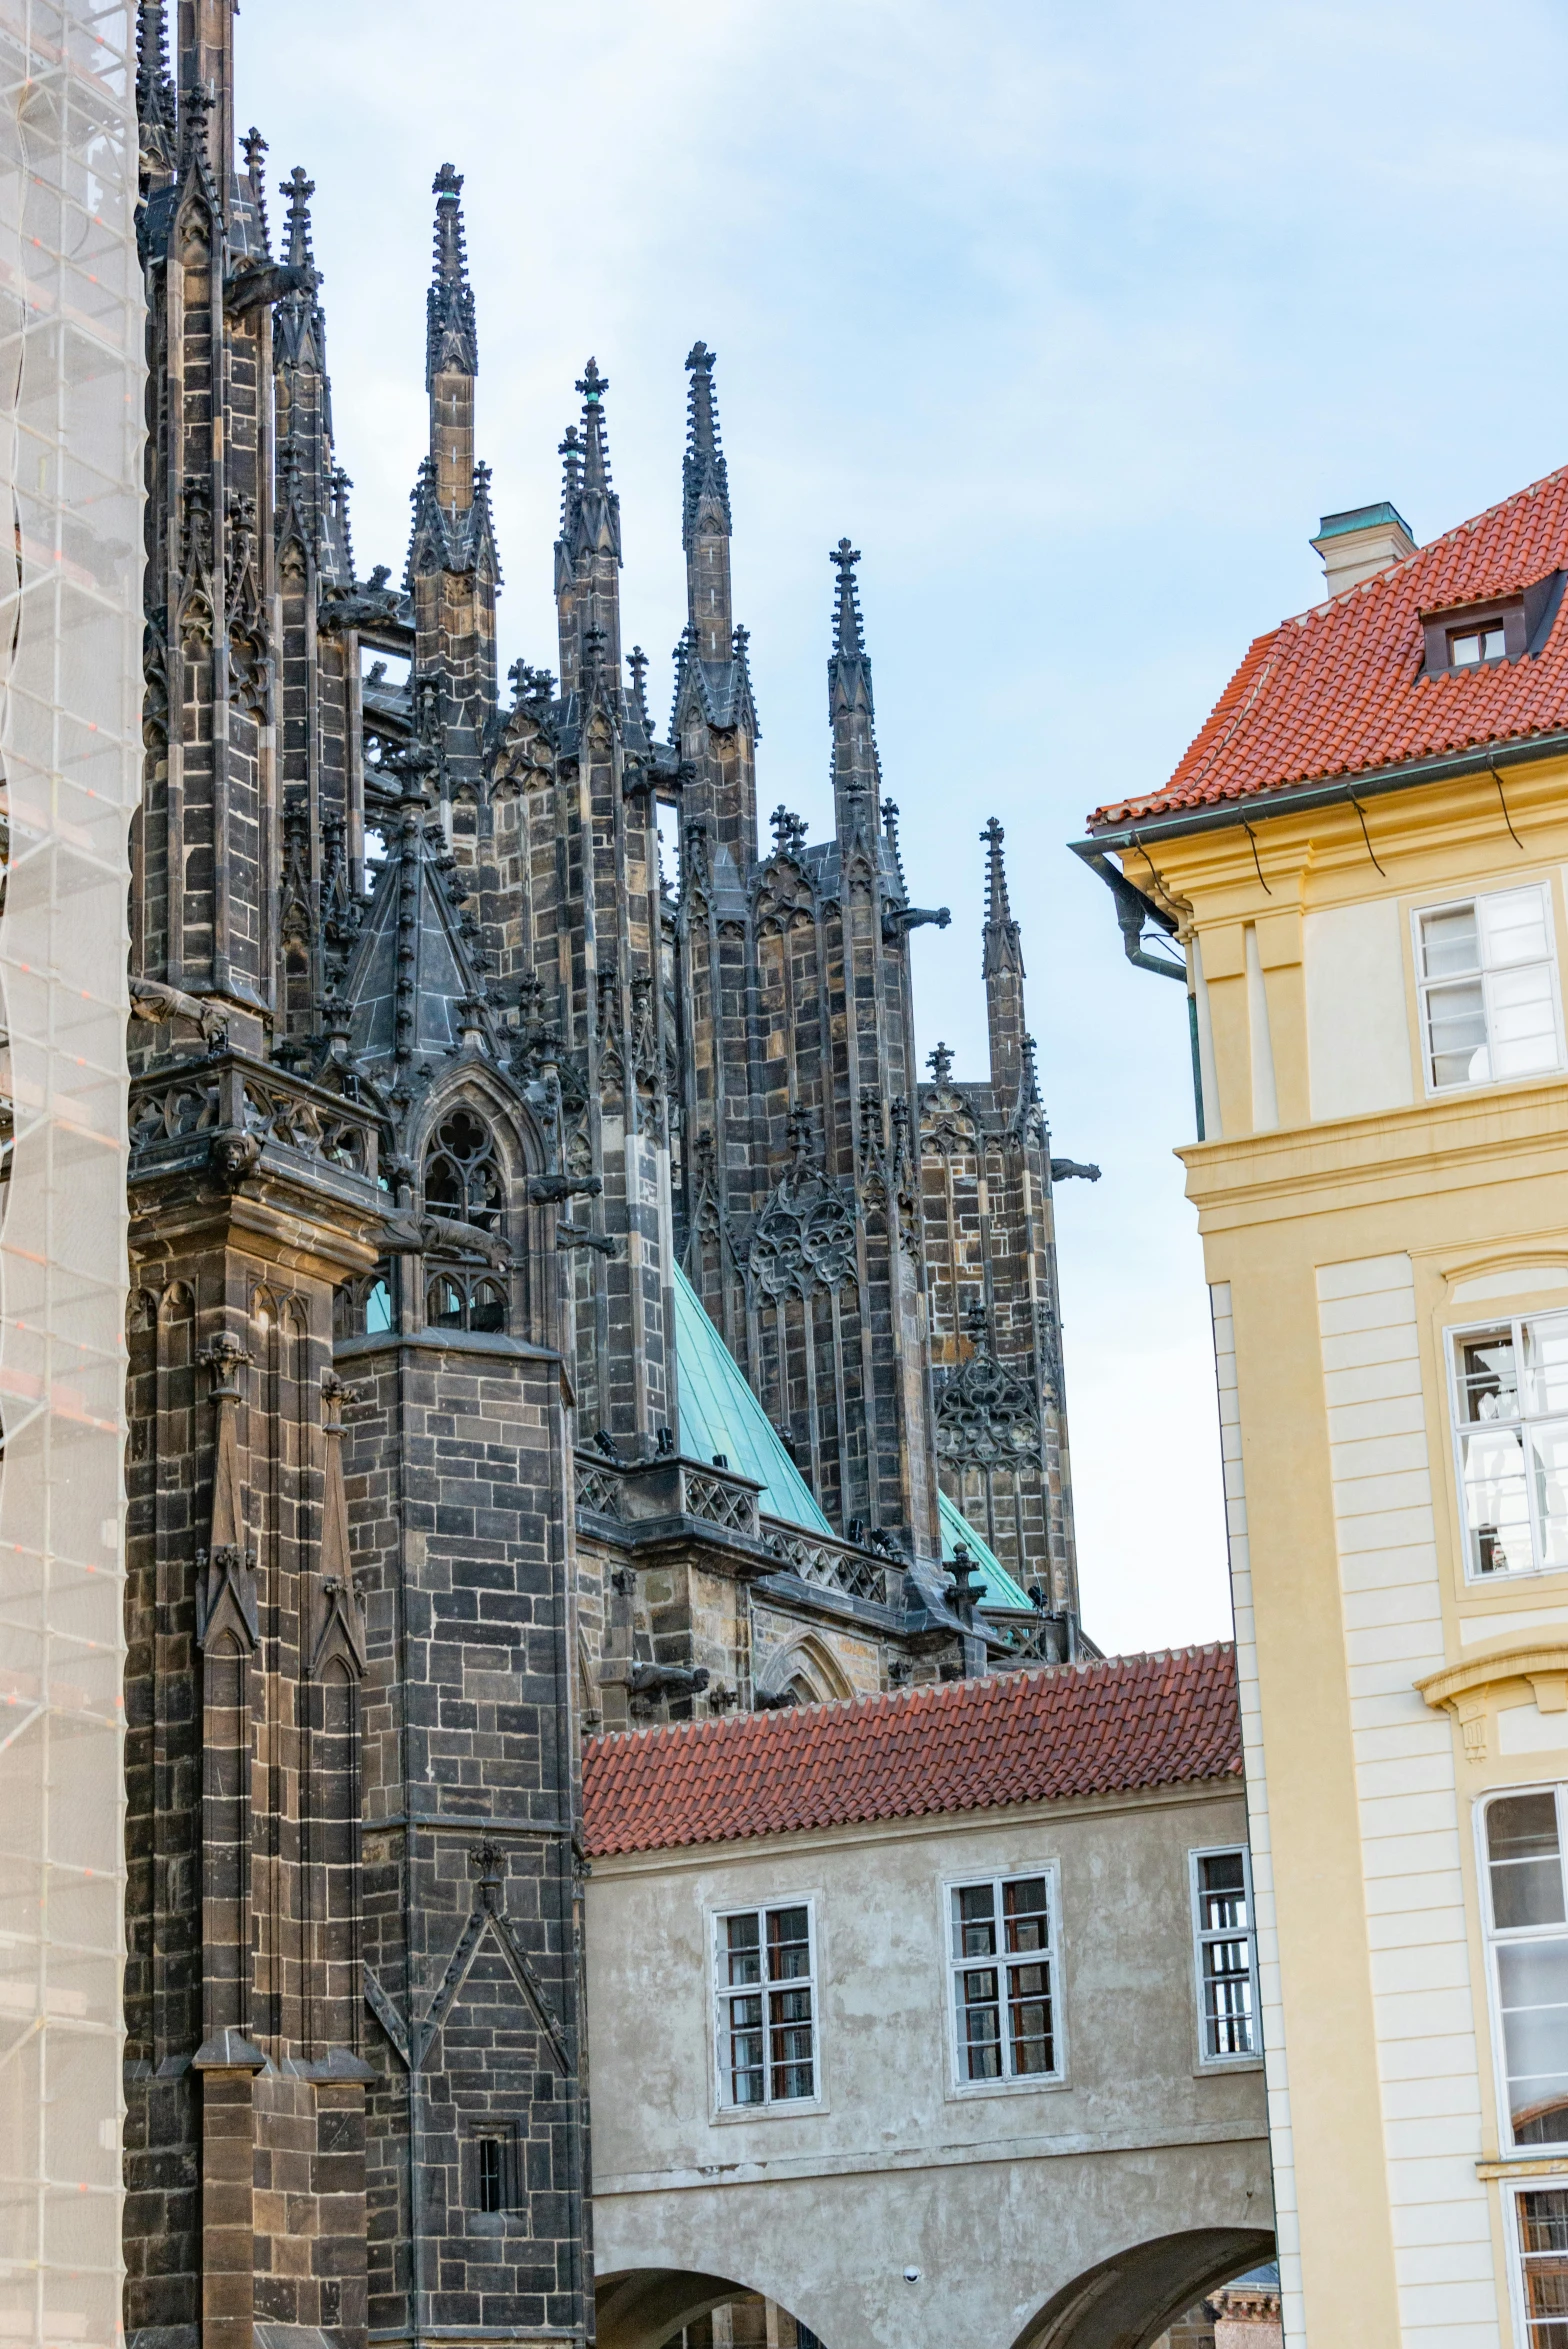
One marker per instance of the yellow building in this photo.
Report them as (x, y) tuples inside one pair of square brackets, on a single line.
[(1365, 856)]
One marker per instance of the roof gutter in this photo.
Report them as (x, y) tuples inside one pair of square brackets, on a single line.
[(1341, 791)]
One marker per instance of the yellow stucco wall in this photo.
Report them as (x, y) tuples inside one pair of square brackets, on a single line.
[(1341, 1249)]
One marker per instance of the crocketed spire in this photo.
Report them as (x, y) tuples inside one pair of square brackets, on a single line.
[(705, 477), (849, 641), (1002, 948), (451, 334), (857, 775)]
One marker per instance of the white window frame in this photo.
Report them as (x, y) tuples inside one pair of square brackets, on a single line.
[(954, 1967), (721, 1991), (1513, 2190), (1537, 2155), (1202, 1936), (1418, 913), (1453, 1338)]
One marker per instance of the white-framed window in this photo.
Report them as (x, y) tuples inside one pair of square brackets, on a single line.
[(1225, 1955), (1510, 1410), (1004, 1947), (1540, 2238), (1487, 972), (1527, 1934), (765, 1978)]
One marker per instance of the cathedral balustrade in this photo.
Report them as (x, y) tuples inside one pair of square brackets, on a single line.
[(834, 1566), (240, 1112), (645, 1496)]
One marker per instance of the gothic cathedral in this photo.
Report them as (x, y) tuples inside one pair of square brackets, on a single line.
[(558, 1302)]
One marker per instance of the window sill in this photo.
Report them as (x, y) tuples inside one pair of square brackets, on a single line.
[(1215, 2066), (1525, 2164), (786, 2108), (980, 2091)]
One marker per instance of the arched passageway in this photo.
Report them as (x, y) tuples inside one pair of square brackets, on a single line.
[(1127, 2301), (648, 2308)]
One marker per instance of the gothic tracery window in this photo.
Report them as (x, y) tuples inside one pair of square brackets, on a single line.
[(462, 1176)]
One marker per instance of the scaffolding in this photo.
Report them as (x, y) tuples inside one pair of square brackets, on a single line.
[(71, 374)]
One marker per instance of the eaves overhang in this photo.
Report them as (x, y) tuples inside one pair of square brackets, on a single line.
[(1331, 791)]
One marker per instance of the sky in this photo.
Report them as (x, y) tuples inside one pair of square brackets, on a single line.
[(1075, 320)]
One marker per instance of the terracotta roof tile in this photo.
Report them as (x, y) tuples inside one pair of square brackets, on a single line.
[(966, 1745), (1339, 690)]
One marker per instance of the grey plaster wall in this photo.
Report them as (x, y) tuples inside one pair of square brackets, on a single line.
[(1000, 2197)]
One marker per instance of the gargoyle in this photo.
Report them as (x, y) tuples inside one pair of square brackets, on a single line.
[(656, 1680), (366, 604), (577, 1235), (420, 1235), (152, 1000), (1064, 1169), (549, 1190), (264, 282)]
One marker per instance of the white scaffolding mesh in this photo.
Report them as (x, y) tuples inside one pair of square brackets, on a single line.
[(70, 615)]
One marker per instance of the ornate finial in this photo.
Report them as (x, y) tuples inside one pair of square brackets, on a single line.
[(488, 1862), (940, 1063), (592, 384), (847, 636), (789, 832), (798, 1127), (977, 1324), (451, 334), (299, 190), (637, 662), (1002, 946), (967, 1587), (704, 476)]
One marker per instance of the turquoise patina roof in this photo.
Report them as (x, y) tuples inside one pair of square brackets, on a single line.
[(1000, 1588), (719, 1413)]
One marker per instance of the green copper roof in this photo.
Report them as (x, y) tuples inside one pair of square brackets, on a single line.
[(1000, 1588), (719, 1413)]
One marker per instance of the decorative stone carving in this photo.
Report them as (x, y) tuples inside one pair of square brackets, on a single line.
[(986, 1417)]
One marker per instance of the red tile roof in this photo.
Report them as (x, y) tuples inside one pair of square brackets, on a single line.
[(966, 1745), (1339, 690)]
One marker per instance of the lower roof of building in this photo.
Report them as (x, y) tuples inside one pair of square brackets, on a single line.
[(1110, 1727)]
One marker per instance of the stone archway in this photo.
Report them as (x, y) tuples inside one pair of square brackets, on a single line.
[(644, 2308), (1127, 2301)]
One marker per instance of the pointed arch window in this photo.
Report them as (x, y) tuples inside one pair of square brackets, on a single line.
[(462, 1172)]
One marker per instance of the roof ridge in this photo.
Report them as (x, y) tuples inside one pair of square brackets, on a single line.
[(727, 1728)]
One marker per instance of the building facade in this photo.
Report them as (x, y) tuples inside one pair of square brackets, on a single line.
[(1363, 857), (558, 1302), (941, 2012)]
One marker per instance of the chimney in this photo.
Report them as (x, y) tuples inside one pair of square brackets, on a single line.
[(1358, 544)]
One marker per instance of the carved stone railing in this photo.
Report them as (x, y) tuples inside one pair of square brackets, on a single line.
[(238, 1110), (652, 1492), (833, 1565)]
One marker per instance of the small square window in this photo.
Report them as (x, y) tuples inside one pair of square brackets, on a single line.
[(1487, 972), (1468, 648)]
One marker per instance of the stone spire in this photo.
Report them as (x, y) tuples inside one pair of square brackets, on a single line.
[(453, 570), (155, 104), (451, 337), (1002, 966), (857, 773), (705, 516), (588, 551), (206, 36)]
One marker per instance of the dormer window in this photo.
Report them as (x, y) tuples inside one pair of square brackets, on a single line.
[(1512, 627), (1468, 648)]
